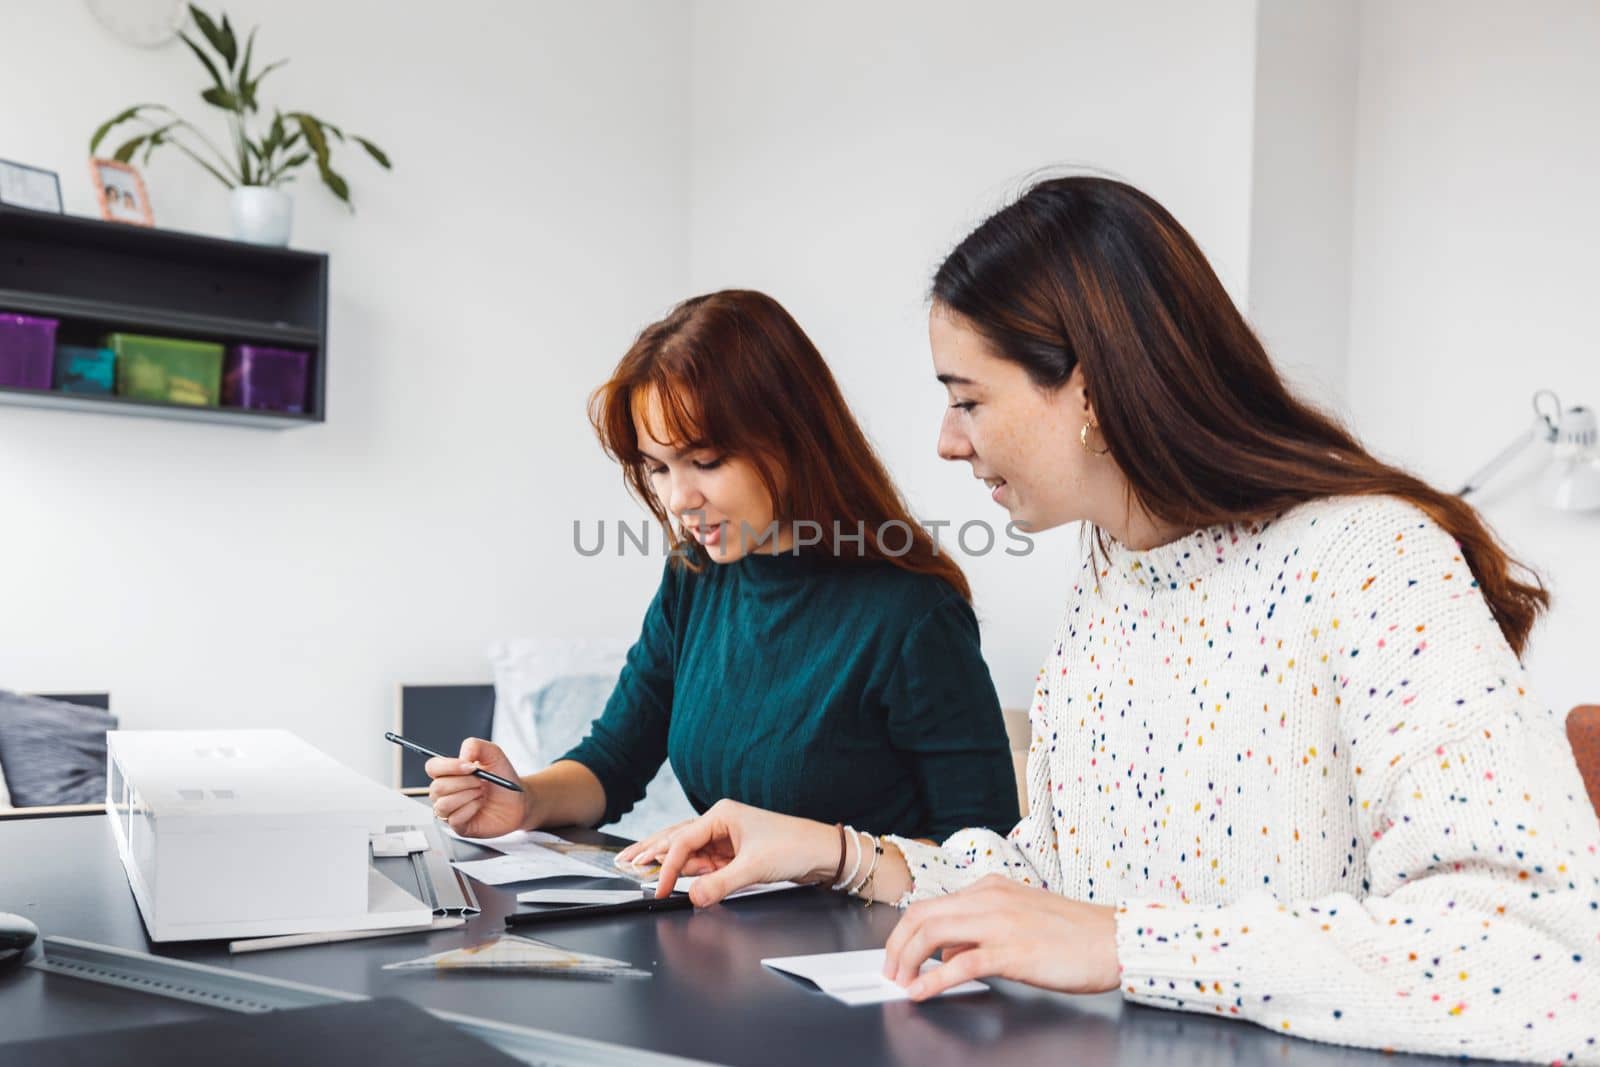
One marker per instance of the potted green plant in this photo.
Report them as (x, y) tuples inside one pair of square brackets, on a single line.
[(263, 156)]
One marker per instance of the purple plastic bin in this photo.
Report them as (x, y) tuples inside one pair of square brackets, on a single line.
[(27, 351), (265, 379)]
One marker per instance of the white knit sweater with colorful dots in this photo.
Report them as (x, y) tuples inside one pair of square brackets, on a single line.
[(1303, 763)]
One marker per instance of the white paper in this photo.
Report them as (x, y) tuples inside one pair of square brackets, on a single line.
[(857, 977), (579, 896), (525, 866), (403, 843), (686, 880)]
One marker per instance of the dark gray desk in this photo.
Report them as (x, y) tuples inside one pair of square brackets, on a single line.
[(709, 999)]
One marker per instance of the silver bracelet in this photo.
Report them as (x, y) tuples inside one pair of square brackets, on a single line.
[(877, 850), (850, 832)]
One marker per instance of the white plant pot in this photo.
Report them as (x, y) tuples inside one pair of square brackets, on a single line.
[(261, 215)]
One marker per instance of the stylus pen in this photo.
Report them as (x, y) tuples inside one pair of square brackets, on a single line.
[(404, 742), (676, 902)]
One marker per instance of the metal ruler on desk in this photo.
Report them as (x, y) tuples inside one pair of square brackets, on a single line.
[(243, 992)]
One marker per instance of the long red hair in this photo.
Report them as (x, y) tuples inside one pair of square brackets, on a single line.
[(733, 372), (1092, 272)]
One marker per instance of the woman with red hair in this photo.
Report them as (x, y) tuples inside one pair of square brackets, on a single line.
[(809, 649)]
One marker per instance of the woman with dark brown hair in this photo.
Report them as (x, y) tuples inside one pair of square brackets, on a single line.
[(1285, 764), (809, 649)]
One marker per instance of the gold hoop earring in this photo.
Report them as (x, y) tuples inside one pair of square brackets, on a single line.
[(1083, 439)]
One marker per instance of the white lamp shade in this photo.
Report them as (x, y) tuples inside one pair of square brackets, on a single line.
[(1572, 483)]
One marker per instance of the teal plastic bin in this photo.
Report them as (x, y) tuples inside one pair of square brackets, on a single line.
[(85, 370)]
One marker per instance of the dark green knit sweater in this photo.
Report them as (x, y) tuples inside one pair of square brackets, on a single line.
[(840, 690)]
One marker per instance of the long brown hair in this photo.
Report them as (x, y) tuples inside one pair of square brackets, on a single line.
[(1090, 271), (735, 373)]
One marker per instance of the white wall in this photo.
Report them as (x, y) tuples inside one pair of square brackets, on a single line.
[(1475, 278), (841, 149), (565, 172), (535, 218), (1302, 186)]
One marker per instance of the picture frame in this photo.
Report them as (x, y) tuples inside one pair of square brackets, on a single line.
[(28, 187), (121, 193)]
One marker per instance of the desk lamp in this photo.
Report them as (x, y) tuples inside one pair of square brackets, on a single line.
[(1571, 480)]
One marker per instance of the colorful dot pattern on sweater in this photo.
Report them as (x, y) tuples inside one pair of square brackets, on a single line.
[(1301, 760)]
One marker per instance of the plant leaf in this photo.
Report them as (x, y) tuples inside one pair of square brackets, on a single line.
[(212, 34), (375, 152), (220, 98), (275, 134), (128, 148), (249, 49), (294, 162), (230, 44), (312, 129), (340, 187), (211, 68), (115, 120), (328, 126)]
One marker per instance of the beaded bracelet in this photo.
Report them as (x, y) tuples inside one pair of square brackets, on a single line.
[(865, 888)]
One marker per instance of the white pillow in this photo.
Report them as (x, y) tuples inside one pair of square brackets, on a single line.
[(547, 692)]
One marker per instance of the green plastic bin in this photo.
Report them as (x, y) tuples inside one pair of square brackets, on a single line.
[(167, 370)]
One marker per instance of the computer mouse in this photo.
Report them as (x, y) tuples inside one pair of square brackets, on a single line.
[(19, 941)]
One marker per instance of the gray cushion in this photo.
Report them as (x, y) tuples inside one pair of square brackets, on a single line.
[(53, 752)]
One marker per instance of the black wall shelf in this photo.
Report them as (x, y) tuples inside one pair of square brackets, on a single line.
[(99, 277)]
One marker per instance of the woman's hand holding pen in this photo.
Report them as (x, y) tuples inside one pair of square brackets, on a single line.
[(472, 806)]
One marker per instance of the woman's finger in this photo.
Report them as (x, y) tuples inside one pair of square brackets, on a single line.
[(462, 817), (725, 880), (477, 750), (446, 806), (710, 888), (973, 963), (925, 942), (644, 853), (648, 848), (685, 843), (911, 921), (950, 952), (628, 854), (444, 766), (922, 933), (443, 787)]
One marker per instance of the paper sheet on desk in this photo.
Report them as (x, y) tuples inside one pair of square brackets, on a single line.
[(526, 866), (857, 977), (537, 847), (686, 880)]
